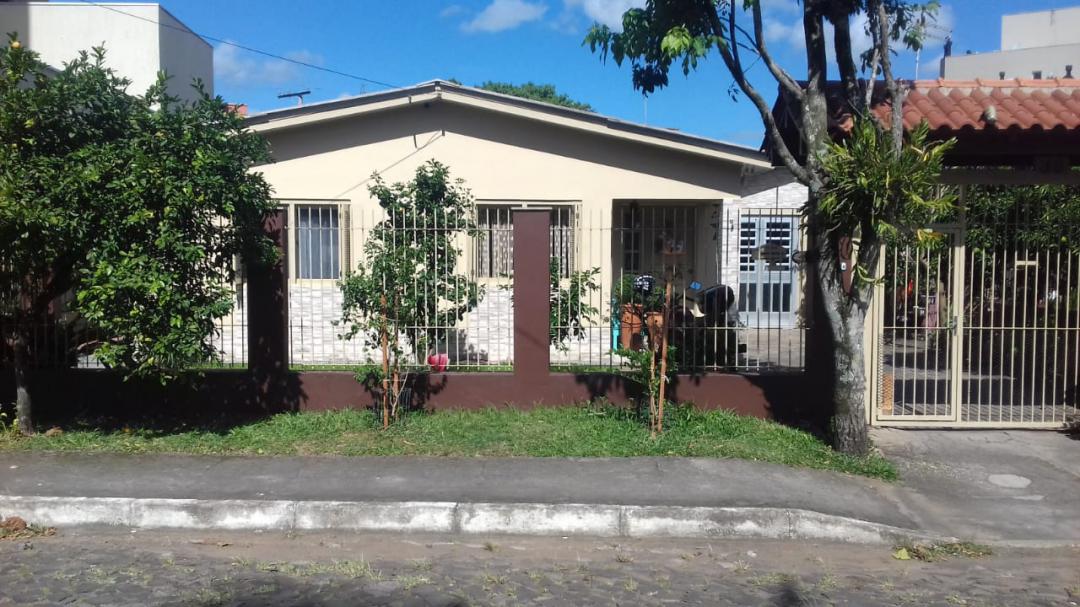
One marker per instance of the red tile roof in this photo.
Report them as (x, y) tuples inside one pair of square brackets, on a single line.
[(1030, 118), (951, 106)]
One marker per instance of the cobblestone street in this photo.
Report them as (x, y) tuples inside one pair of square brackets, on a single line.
[(114, 567)]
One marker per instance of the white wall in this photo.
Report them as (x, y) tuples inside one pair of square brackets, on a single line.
[(184, 57), (137, 49), (1045, 42), (1022, 63), (1044, 28)]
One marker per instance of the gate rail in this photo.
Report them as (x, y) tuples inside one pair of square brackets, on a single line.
[(966, 332)]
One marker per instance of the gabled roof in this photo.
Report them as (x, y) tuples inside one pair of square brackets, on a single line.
[(995, 122), (449, 92)]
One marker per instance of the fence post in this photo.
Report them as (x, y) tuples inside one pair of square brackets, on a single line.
[(268, 306), (532, 253)]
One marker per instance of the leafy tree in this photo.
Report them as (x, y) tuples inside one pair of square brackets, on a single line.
[(537, 92), (406, 296), (1038, 216), (686, 32), (130, 208)]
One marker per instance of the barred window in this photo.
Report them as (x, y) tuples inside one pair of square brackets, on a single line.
[(494, 244), (318, 242)]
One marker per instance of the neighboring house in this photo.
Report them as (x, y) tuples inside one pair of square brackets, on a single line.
[(1043, 44), (615, 191), (972, 326), (140, 39)]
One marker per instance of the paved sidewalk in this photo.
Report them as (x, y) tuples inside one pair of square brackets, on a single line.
[(989, 486), (995, 484)]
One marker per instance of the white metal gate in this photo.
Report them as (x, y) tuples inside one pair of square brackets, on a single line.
[(768, 287), (975, 336), (914, 378)]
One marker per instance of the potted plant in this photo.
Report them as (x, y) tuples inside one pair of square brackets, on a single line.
[(636, 309)]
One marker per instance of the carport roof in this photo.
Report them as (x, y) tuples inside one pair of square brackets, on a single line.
[(995, 122)]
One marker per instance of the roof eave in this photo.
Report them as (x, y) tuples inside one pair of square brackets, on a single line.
[(491, 101)]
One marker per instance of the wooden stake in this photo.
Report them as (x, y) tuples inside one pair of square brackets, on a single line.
[(385, 368), (664, 348)]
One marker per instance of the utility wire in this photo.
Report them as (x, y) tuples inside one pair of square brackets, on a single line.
[(245, 48), (435, 136)]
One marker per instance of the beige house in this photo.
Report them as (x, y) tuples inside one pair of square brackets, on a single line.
[(616, 191)]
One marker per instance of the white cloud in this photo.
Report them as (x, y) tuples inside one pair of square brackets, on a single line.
[(503, 15), (778, 31), (238, 67), (607, 12), (784, 6), (452, 10), (940, 27), (789, 34), (788, 31)]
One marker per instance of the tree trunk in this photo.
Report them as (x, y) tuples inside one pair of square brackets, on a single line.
[(847, 320), (837, 353), (23, 403)]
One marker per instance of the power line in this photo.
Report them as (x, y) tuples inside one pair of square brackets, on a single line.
[(245, 48), (435, 136)]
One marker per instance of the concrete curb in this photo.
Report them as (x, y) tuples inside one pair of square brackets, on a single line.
[(603, 520)]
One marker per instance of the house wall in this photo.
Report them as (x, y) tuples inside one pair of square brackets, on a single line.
[(784, 197), (135, 48), (501, 158), (184, 57)]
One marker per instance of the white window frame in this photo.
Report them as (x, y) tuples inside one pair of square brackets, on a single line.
[(571, 207), (342, 208)]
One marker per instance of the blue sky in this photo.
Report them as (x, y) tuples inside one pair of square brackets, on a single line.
[(408, 41)]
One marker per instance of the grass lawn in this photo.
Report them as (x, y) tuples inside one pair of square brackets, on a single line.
[(546, 432)]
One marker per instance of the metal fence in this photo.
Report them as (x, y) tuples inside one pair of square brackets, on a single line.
[(736, 300), (978, 325), (64, 341), (737, 289), (326, 241)]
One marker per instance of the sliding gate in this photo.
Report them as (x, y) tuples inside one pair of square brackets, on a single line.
[(975, 335)]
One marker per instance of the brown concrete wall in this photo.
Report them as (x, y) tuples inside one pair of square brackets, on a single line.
[(91, 392)]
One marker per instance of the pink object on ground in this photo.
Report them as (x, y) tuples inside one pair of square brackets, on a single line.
[(438, 362)]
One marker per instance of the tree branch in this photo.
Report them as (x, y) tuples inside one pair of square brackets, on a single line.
[(763, 108), (815, 105), (840, 21), (793, 89), (896, 93), (869, 92)]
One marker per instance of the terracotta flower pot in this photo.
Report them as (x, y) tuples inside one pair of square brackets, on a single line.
[(630, 323), (654, 323)]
